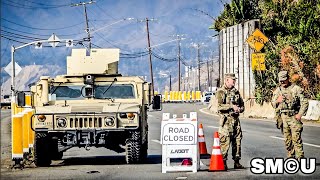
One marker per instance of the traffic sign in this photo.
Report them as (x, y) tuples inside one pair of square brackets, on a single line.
[(54, 40), (17, 68), (258, 61), (179, 139), (257, 40)]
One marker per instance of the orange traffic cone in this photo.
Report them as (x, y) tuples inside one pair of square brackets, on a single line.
[(216, 162), (202, 143)]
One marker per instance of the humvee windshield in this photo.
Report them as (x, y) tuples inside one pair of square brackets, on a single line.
[(73, 92)]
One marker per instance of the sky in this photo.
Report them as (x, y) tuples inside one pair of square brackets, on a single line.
[(114, 24)]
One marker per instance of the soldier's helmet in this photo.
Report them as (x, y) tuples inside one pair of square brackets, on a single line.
[(230, 75), (283, 75)]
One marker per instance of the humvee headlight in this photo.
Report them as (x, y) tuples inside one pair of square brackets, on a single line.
[(41, 117), (62, 122), (130, 116), (109, 121)]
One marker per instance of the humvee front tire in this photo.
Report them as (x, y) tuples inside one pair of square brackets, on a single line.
[(54, 150), (41, 149), (134, 148)]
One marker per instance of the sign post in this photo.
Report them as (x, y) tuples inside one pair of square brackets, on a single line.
[(179, 139)]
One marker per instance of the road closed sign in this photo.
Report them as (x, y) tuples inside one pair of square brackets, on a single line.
[(179, 139), (179, 133)]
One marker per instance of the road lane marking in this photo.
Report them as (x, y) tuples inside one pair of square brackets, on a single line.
[(181, 177), (213, 127), (156, 141), (308, 144), (211, 114)]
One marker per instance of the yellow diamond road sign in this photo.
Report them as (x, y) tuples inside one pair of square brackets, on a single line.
[(258, 61), (257, 40)]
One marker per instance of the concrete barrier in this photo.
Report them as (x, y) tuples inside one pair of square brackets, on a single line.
[(313, 112), (17, 137), (22, 136)]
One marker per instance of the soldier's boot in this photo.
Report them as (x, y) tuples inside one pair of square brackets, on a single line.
[(237, 165), (225, 165)]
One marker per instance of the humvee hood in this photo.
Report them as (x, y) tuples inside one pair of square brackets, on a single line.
[(92, 108)]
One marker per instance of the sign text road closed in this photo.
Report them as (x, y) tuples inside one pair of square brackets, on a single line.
[(179, 133)]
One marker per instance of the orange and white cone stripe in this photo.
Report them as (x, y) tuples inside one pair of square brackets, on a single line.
[(202, 142)]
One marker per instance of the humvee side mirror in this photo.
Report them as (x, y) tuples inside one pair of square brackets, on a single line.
[(156, 104), (21, 98)]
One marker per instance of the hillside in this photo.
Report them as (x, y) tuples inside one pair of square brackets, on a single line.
[(30, 74)]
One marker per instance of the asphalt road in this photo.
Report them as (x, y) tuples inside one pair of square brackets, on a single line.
[(261, 139)]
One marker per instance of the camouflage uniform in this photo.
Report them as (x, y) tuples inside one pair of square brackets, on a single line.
[(229, 125), (293, 103)]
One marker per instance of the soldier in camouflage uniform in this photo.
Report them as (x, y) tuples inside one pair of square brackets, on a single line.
[(230, 105), (289, 102)]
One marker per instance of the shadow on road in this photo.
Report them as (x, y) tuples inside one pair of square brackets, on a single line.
[(103, 160)]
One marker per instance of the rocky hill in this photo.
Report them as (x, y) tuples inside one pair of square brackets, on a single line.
[(30, 74)]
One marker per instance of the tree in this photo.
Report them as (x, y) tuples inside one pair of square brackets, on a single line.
[(293, 27)]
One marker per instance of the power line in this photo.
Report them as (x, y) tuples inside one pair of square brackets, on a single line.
[(17, 35), (162, 58), (5, 50), (46, 35), (54, 5), (13, 40), (18, 5), (104, 11), (205, 13), (26, 38), (41, 28)]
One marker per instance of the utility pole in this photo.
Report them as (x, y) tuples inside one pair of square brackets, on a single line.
[(170, 88), (149, 49), (179, 64), (211, 72), (208, 72), (86, 18), (179, 58), (199, 85)]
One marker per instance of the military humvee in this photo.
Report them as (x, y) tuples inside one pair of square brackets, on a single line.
[(91, 106)]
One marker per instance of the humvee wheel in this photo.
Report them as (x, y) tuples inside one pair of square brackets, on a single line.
[(54, 150), (41, 149), (144, 151), (134, 148)]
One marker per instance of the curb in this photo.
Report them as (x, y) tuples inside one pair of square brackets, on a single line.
[(208, 112)]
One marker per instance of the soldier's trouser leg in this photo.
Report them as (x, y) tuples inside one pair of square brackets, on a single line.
[(236, 141), (224, 144), (296, 130), (288, 136)]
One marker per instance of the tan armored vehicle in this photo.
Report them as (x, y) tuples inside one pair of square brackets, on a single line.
[(91, 106)]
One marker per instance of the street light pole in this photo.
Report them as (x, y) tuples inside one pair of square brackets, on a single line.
[(13, 71), (12, 81)]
